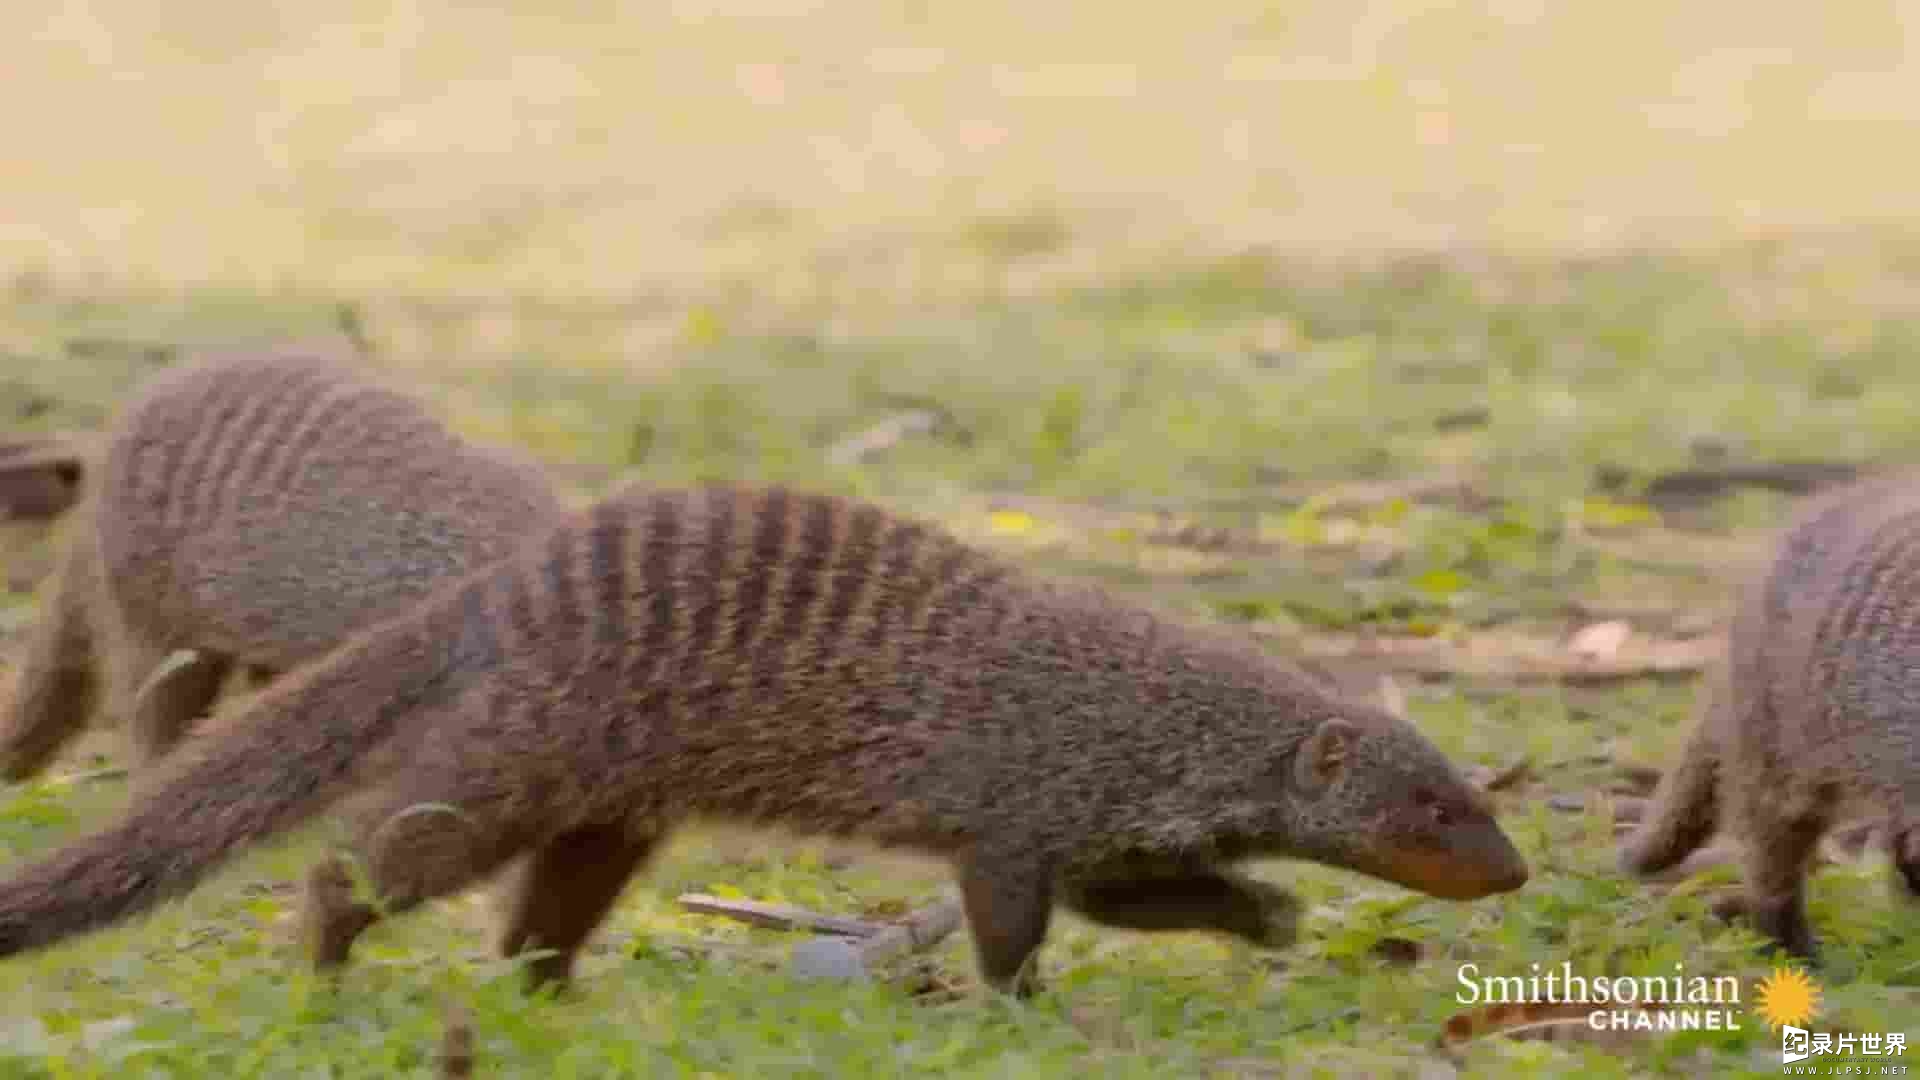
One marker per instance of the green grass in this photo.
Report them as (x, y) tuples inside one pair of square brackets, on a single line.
[(1248, 379)]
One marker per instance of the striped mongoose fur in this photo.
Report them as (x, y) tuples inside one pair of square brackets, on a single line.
[(1815, 712), (255, 509), (804, 662)]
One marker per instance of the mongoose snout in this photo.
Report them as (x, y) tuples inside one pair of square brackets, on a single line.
[(1477, 861)]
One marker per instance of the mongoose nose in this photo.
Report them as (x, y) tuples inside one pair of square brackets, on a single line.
[(1515, 876), (1507, 868)]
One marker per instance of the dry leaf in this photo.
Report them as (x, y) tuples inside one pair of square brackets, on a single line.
[(1392, 698), (1512, 657), (1010, 522), (1545, 1021), (1601, 640), (1639, 779)]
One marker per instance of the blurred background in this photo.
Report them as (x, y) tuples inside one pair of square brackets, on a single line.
[(591, 148)]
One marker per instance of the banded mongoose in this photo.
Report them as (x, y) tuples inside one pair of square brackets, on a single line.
[(1814, 712), (798, 661), (255, 509)]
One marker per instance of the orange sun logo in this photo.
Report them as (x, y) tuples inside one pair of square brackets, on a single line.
[(1788, 998)]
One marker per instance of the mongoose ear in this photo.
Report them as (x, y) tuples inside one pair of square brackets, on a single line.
[(1323, 757)]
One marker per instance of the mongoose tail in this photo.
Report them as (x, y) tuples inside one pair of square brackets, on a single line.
[(59, 684), (1685, 809), (326, 727)]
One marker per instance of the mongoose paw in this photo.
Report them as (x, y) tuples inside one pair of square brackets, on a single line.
[(1023, 985), (1636, 858), (1906, 860), (1276, 919), (1784, 924), (1805, 951), (332, 917)]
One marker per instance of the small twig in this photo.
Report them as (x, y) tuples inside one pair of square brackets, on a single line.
[(883, 436), (779, 916), (840, 958), (1687, 487)]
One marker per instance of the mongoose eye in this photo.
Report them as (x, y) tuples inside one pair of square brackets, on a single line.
[(1441, 815)]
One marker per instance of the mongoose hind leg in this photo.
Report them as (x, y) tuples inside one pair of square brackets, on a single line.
[(416, 845), (1008, 901), (59, 683), (1778, 843), (1686, 806), (563, 894), (1903, 843), (1254, 911), (164, 706)]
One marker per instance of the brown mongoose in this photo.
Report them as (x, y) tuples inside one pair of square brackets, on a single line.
[(1814, 712), (803, 662), (254, 508)]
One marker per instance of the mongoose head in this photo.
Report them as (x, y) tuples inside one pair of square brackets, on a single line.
[(1368, 792)]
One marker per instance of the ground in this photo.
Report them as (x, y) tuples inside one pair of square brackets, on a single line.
[(1345, 329)]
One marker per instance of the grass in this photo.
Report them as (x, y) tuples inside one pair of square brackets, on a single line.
[(1248, 378)]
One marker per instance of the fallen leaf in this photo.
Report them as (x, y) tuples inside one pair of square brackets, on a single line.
[(1392, 698), (1601, 640), (1640, 779), (1396, 952), (1543, 1021), (1010, 522)]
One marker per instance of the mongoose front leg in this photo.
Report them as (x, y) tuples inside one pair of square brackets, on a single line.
[(1903, 840), (1778, 845), (1008, 900), (564, 893), (1263, 915), (59, 681)]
